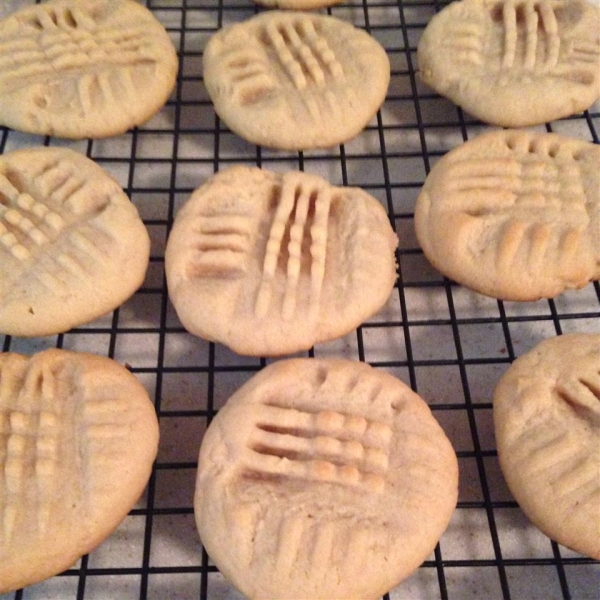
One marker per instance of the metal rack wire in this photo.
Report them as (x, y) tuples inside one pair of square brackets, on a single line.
[(449, 344)]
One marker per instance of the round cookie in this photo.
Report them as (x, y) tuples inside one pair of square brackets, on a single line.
[(83, 69), (514, 63), (295, 80), (269, 264), (72, 245), (323, 479), (547, 421), (514, 215), (78, 436)]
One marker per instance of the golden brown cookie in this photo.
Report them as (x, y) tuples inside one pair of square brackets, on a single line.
[(78, 435), (269, 264), (514, 214), (83, 69), (323, 479), (547, 420), (295, 80), (514, 62), (72, 245)]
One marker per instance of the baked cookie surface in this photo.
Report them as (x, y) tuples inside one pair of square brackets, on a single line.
[(514, 215), (323, 479), (294, 80), (83, 69), (514, 63), (269, 264), (78, 435), (547, 422), (72, 245)]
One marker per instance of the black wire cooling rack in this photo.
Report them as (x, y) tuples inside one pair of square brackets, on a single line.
[(449, 344)]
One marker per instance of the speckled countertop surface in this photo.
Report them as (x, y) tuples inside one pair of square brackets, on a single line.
[(450, 344)]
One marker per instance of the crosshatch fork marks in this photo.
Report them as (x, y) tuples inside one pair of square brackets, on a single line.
[(20, 70), (552, 453), (107, 424), (533, 39), (313, 545), (30, 441), (67, 17), (322, 446), (221, 244), (536, 23), (533, 42), (466, 42), (511, 181), (303, 213), (304, 53), (65, 189), (585, 51), (247, 72), (28, 226), (510, 194), (299, 539), (56, 50), (570, 471), (582, 396)]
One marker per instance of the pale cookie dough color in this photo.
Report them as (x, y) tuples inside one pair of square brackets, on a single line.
[(294, 80), (83, 69), (78, 435), (323, 479), (514, 62), (270, 264), (514, 215), (72, 245), (547, 421)]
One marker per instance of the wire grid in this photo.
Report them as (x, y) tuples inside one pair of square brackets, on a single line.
[(451, 345)]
